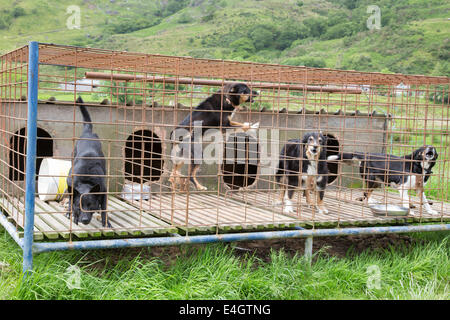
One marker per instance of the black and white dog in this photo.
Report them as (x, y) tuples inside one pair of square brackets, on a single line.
[(409, 172), (86, 182), (307, 159)]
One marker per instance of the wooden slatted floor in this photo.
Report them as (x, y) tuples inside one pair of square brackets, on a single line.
[(208, 212), (343, 209), (50, 221)]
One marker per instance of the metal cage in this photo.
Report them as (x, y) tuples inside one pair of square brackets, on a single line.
[(137, 100)]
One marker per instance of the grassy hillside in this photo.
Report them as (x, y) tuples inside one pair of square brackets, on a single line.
[(414, 34)]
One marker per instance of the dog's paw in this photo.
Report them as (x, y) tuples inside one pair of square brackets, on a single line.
[(201, 188), (288, 209), (323, 210), (360, 199), (412, 213), (433, 212), (277, 202), (311, 205)]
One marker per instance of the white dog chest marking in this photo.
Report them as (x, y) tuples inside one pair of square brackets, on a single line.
[(312, 168)]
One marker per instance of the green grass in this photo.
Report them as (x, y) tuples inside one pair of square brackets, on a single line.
[(417, 271)]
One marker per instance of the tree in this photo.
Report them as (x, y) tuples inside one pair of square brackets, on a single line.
[(263, 36), (316, 26), (243, 45)]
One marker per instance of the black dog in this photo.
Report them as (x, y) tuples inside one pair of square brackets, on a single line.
[(306, 158), (215, 111), (409, 172), (87, 187)]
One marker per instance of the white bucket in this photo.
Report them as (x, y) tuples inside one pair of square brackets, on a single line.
[(135, 191), (52, 180)]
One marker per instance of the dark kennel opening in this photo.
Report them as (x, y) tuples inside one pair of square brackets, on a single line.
[(332, 149), (241, 160), (17, 154), (143, 157)]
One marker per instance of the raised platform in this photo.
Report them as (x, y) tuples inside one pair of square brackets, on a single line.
[(344, 209), (210, 213), (50, 221)]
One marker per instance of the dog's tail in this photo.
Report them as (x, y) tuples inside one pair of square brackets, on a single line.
[(86, 117), (347, 157)]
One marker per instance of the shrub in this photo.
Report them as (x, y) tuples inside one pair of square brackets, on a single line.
[(243, 45), (306, 61), (338, 31), (316, 26), (18, 12), (127, 25), (209, 15), (361, 62), (262, 36), (185, 18), (337, 17), (440, 96), (7, 16)]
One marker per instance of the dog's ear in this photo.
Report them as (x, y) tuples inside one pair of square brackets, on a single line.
[(83, 188), (305, 139), (234, 88), (95, 188), (418, 154)]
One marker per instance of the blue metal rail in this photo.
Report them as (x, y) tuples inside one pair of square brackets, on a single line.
[(40, 247), (30, 178)]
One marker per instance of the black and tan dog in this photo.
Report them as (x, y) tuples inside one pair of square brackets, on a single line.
[(216, 111), (409, 172), (86, 182), (305, 159)]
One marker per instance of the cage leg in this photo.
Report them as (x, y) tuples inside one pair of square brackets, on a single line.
[(33, 61), (308, 249)]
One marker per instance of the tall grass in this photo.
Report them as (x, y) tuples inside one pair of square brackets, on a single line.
[(419, 271)]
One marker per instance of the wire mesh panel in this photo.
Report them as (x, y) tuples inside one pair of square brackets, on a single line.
[(161, 144), (13, 90)]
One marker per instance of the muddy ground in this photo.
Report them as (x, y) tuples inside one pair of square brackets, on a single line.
[(332, 246)]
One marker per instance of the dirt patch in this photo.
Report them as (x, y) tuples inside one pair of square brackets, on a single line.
[(108, 258), (333, 246)]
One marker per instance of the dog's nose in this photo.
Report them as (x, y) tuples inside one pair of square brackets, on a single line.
[(85, 220)]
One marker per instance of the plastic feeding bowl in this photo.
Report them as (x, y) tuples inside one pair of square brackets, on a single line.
[(388, 210)]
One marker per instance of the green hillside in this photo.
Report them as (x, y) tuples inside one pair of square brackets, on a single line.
[(413, 38)]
